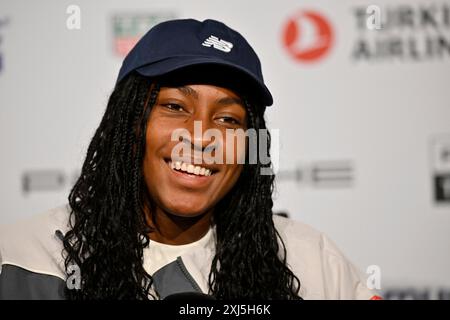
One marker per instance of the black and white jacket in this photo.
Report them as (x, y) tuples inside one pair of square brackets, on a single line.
[(32, 264)]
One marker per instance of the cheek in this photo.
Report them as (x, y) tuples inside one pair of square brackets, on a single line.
[(235, 147), (233, 172), (151, 145), (157, 137)]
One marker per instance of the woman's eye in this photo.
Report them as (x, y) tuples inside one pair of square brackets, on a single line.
[(173, 106), (229, 120)]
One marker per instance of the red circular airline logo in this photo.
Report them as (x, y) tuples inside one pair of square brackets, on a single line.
[(308, 36)]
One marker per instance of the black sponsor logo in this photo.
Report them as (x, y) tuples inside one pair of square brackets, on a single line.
[(441, 169), (47, 180), (332, 173), (414, 293), (3, 22)]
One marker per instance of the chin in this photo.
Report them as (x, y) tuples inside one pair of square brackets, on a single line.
[(188, 210)]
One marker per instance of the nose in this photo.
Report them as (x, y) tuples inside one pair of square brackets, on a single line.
[(201, 135)]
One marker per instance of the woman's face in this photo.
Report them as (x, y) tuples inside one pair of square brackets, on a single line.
[(211, 110)]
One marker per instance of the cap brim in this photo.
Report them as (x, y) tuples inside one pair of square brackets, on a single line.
[(167, 65)]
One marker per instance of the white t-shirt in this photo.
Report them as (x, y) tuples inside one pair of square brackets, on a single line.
[(157, 254)]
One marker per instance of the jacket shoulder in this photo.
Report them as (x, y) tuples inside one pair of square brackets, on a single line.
[(33, 245), (324, 271), (297, 232)]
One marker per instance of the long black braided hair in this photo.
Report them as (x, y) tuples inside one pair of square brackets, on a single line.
[(108, 230)]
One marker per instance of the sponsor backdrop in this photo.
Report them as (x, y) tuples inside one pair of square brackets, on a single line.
[(361, 93)]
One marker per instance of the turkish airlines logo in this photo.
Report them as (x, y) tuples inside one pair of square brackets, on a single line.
[(308, 36)]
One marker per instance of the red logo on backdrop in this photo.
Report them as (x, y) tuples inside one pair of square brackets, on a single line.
[(308, 36)]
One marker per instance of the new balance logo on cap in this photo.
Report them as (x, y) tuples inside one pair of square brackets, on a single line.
[(222, 45)]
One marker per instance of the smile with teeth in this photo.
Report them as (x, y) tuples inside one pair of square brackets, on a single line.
[(189, 168)]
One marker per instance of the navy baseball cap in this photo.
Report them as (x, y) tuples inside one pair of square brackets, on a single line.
[(177, 44)]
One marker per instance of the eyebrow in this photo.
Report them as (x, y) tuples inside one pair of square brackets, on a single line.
[(188, 91), (230, 100)]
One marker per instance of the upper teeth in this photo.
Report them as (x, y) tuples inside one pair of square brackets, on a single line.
[(190, 168)]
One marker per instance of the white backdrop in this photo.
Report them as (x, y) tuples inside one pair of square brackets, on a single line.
[(364, 115)]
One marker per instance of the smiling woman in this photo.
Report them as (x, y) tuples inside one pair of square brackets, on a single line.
[(186, 186), (152, 216)]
